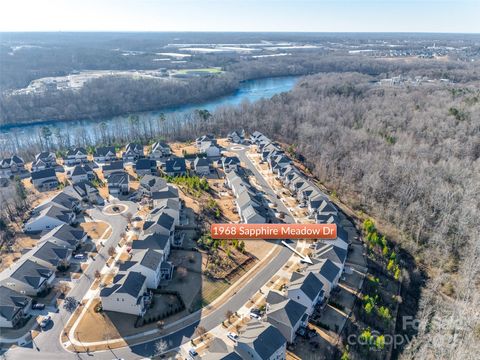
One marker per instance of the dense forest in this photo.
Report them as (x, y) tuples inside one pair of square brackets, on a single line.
[(112, 95), (118, 95), (409, 156)]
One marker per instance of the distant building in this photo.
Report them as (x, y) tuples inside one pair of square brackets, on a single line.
[(145, 167), (201, 166), (75, 156), (45, 180), (11, 166), (176, 167), (105, 154), (118, 183), (160, 150)]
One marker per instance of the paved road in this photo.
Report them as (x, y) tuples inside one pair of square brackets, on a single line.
[(183, 335), (48, 342)]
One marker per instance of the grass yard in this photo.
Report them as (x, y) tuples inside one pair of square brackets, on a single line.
[(95, 229)]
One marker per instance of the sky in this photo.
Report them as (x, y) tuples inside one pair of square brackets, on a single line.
[(458, 16)]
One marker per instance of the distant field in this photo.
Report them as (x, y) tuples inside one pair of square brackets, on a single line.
[(211, 70)]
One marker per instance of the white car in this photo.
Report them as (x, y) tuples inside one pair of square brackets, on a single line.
[(45, 321), (79, 257), (255, 316), (232, 336)]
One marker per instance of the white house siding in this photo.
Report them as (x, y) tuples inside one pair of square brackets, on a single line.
[(122, 303)]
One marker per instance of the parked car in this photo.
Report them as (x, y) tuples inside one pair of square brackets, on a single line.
[(232, 336), (255, 316), (79, 256), (192, 353), (38, 306), (45, 321)]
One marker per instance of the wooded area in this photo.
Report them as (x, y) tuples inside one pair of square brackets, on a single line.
[(410, 157)]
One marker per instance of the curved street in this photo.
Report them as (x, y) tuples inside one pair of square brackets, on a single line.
[(47, 345)]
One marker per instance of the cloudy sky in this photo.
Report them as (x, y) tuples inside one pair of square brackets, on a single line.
[(241, 15)]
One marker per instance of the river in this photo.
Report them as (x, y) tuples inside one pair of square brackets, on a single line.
[(251, 90)]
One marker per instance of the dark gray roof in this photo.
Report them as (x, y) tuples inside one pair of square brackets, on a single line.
[(78, 170), (201, 162), (52, 253), (145, 164), (31, 273), (327, 269), (153, 241), (333, 253), (135, 147), (66, 233), (103, 151), (171, 192), (114, 165), (65, 200), (175, 165), (309, 284), (152, 182), (43, 174), (284, 310), (219, 350), (264, 338), (231, 160), (76, 150), (130, 283), (11, 302), (149, 258), (118, 178)]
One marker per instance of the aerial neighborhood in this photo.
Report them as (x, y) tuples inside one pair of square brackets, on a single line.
[(122, 230)]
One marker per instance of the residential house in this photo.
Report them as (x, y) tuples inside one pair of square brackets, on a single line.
[(237, 136), (156, 241), (62, 200), (334, 253), (44, 160), (118, 183), (105, 154), (170, 192), (219, 350), (76, 156), (128, 294), (170, 206), (11, 166), (230, 163), (132, 153), (85, 191), (27, 277), (49, 218), (78, 174), (150, 184), (114, 166), (145, 167), (327, 272), (51, 255), (208, 138), (160, 223), (201, 166), (146, 262), (306, 289), (65, 236), (286, 315), (176, 167), (210, 149), (14, 307), (160, 150), (316, 202), (261, 341), (45, 180)]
